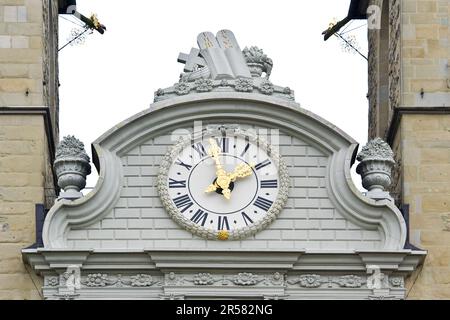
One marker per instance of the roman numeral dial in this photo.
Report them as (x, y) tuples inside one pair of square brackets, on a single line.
[(224, 184)]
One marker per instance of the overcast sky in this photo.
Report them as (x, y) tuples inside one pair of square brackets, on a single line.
[(113, 76)]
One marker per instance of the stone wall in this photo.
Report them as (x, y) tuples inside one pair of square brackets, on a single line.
[(419, 95), (309, 220), (426, 188), (384, 55), (425, 53), (22, 148), (26, 147), (21, 55)]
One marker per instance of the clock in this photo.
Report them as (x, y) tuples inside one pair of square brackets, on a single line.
[(223, 183)]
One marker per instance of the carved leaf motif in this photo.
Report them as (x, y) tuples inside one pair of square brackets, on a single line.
[(141, 280), (204, 85), (246, 279), (397, 282), (203, 279), (307, 281), (266, 87), (182, 88), (350, 281), (243, 85), (96, 280), (71, 147)]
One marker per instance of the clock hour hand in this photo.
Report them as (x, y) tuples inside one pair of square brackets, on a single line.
[(222, 178), (212, 187)]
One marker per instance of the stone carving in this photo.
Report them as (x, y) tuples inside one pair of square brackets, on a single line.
[(266, 87), (350, 281), (185, 87), (246, 279), (397, 282), (241, 279), (307, 281), (141, 280), (52, 281), (315, 281), (71, 167), (377, 280), (376, 149), (203, 279), (105, 280), (68, 283), (96, 280), (382, 297), (396, 185), (203, 85), (182, 88), (243, 85), (394, 55), (276, 279), (220, 66), (375, 167), (258, 61), (211, 234)]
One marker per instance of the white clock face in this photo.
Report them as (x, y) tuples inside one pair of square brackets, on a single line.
[(223, 183)]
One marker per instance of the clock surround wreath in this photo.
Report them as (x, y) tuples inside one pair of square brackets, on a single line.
[(208, 233)]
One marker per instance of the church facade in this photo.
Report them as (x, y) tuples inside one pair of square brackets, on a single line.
[(226, 188)]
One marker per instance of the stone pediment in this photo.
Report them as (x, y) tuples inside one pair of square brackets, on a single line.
[(326, 236)]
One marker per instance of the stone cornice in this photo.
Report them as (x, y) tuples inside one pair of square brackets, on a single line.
[(44, 261), (400, 111)]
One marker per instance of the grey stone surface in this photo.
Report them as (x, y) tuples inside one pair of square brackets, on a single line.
[(221, 66), (71, 167), (308, 194), (131, 196), (256, 274), (324, 244)]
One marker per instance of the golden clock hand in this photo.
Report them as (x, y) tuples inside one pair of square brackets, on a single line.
[(242, 170), (212, 187), (223, 180), (226, 193)]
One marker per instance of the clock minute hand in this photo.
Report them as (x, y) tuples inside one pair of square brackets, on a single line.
[(242, 170)]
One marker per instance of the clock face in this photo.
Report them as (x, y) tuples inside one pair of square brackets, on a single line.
[(223, 185)]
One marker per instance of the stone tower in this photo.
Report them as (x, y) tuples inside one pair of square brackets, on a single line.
[(28, 132), (409, 99)]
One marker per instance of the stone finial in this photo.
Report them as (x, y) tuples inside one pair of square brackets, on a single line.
[(375, 167), (376, 149), (257, 61), (71, 167)]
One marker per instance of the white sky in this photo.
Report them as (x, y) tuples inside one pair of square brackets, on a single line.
[(113, 76)]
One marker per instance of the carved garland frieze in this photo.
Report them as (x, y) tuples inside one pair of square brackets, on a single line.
[(101, 280), (263, 86), (315, 281), (242, 279)]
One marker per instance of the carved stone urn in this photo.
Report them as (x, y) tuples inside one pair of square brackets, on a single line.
[(375, 167), (71, 167), (257, 61)]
